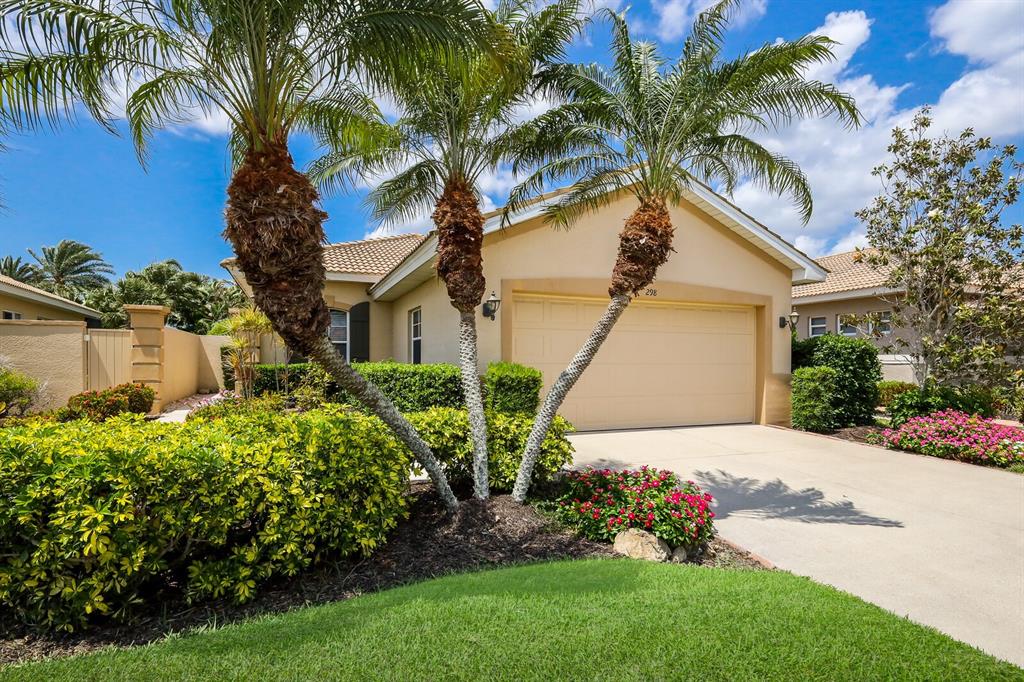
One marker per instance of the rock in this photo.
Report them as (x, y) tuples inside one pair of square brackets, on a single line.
[(679, 555), (639, 544)]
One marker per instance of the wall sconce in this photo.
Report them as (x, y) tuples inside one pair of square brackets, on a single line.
[(794, 317), (491, 306)]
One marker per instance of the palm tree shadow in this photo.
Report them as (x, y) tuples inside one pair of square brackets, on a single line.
[(741, 496)]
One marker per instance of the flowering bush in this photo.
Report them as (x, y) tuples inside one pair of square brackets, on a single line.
[(955, 435), (600, 503), (98, 406)]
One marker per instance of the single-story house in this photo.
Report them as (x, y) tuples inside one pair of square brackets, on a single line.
[(20, 301), (708, 343)]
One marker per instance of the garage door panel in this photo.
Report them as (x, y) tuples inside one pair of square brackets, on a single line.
[(664, 364)]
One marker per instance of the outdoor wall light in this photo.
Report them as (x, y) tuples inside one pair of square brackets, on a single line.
[(794, 317), (491, 306)]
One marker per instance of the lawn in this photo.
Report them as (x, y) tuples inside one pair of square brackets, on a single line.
[(596, 619)]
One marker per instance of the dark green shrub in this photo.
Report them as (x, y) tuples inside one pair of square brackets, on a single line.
[(278, 378), (802, 352), (97, 517), (814, 398), (414, 388), (512, 388), (98, 406), (227, 368), (858, 373), (888, 390), (446, 430), (17, 391), (271, 403), (920, 402)]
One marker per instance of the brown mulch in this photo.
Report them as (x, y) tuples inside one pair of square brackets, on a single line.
[(429, 544), (857, 434)]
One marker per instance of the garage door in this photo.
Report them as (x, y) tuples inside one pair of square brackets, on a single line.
[(665, 363)]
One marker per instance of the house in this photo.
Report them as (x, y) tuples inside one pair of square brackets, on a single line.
[(20, 301), (708, 343), (854, 300)]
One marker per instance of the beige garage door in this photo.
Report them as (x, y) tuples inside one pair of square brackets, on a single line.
[(665, 363)]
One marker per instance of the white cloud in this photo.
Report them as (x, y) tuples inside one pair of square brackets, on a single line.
[(674, 17), (838, 162), (981, 30)]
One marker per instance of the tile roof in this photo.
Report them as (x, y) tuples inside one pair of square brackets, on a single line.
[(845, 273), (370, 256), (59, 301)]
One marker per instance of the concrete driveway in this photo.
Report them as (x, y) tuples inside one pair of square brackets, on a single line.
[(937, 541)]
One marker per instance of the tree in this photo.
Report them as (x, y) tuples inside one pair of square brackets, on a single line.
[(273, 68), (16, 268), (71, 269), (196, 301), (451, 129), (649, 128), (937, 229)]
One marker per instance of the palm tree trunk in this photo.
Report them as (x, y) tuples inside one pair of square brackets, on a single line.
[(277, 233), (460, 235), (474, 403), (376, 402), (644, 245)]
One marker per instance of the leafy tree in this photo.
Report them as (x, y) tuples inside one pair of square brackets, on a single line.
[(273, 68), (451, 130), (196, 301), (937, 229), (16, 268), (651, 129), (71, 269)]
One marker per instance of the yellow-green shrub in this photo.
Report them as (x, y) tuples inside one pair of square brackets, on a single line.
[(447, 432), (94, 518)]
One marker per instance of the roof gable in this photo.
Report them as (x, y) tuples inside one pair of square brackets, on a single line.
[(17, 289), (846, 272)]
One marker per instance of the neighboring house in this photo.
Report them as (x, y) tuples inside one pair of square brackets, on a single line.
[(20, 301), (708, 343), (853, 301)]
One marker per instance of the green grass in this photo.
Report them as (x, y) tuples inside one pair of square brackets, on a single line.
[(599, 619)]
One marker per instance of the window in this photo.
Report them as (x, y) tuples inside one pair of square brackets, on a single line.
[(11, 315), (338, 333), (881, 323), (416, 336), (845, 325), (817, 326)]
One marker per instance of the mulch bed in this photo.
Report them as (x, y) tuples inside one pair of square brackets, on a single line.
[(857, 434), (427, 545)]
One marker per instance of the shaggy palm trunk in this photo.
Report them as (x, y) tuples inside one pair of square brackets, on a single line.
[(460, 234), (277, 234), (644, 245)]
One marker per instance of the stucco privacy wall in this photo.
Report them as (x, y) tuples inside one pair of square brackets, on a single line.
[(711, 265), (210, 378), (31, 310), (51, 352), (181, 365)]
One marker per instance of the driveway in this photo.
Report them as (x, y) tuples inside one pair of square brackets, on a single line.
[(937, 541)]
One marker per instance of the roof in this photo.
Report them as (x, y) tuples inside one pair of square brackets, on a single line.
[(417, 267), (846, 272), (12, 287), (376, 256)]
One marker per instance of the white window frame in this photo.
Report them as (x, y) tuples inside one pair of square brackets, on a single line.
[(884, 318), (10, 315), (348, 332), (811, 326), (839, 326), (415, 334)]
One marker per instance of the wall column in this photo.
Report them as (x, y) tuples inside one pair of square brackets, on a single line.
[(147, 323)]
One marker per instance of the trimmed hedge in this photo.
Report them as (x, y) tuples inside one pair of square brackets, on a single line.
[(510, 388), (918, 403), (513, 388), (889, 389), (97, 517), (814, 397), (859, 371)]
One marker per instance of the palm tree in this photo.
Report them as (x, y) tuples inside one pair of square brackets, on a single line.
[(16, 268), (452, 128), (71, 269), (273, 68), (649, 128)]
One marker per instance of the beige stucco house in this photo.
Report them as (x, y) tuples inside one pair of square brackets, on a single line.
[(706, 344), (20, 301)]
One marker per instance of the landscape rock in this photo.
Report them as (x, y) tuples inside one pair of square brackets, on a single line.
[(639, 544), (679, 555)]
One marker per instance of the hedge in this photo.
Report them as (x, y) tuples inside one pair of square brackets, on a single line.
[(859, 371), (510, 387), (889, 389), (814, 397), (513, 388), (99, 516), (920, 402)]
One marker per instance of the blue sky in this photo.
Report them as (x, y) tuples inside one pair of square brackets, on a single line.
[(963, 57)]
